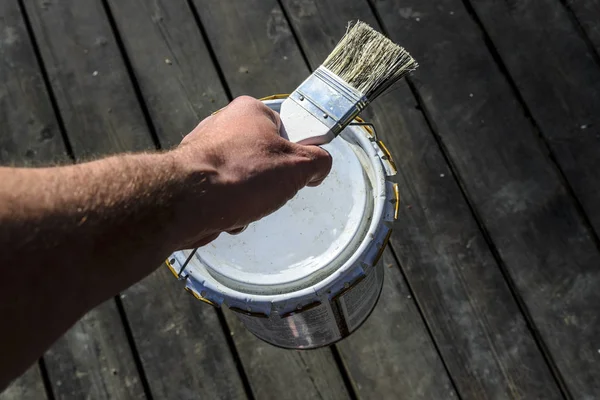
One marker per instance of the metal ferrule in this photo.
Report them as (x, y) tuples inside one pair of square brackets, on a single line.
[(328, 98)]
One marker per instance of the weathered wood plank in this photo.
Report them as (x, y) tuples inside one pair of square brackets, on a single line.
[(180, 87), (97, 103), (264, 63), (279, 373), (477, 325), (559, 79), (94, 358), (171, 64), (512, 184), (588, 14), (28, 386), (392, 355), (180, 341), (29, 133), (175, 108), (111, 121), (253, 45), (473, 318)]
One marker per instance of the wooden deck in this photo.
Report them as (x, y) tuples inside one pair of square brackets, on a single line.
[(493, 281)]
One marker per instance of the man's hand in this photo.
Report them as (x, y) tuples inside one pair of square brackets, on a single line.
[(242, 170), (82, 233)]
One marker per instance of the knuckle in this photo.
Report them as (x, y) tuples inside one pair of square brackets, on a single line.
[(246, 103), (244, 99), (308, 152), (256, 105)]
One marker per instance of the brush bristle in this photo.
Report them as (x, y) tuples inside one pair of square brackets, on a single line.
[(369, 61)]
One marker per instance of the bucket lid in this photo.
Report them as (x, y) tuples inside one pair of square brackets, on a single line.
[(307, 239)]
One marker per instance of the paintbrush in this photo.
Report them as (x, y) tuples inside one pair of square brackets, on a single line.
[(361, 67)]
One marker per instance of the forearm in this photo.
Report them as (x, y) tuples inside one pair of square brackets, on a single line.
[(74, 236)]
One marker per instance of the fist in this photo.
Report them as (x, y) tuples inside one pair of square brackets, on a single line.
[(239, 169)]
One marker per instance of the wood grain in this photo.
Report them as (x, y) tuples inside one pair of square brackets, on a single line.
[(29, 135), (28, 386), (111, 121), (531, 219), (29, 131), (172, 65), (473, 318), (180, 87), (173, 107), (588, 14), (94, 94), (559, 79), (254, 46), (478, 327), (514, 189), (392, 354), (93, 359), (291, 374), (262, 64), (180, 341)]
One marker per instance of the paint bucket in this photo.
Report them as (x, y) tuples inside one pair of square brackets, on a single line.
[(309, 274)]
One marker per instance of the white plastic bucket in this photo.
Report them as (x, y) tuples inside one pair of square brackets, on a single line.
[(309, 274)]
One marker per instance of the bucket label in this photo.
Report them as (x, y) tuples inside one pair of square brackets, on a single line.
[(324, 324), (358, 302), (311, 328)]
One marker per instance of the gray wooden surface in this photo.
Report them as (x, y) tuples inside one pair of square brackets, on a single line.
[(30, 132), (492, 272), (454, 275), (540, 238)]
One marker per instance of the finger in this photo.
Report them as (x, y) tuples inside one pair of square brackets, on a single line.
[(249, 104), (319, 165)]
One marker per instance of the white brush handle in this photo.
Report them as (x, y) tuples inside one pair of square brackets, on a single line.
[(299, 126)]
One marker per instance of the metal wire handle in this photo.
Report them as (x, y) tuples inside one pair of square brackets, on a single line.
[(368, 124)]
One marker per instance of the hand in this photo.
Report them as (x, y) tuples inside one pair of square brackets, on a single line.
[(242, 170)]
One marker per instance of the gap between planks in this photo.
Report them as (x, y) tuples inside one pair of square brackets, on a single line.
[(155, 138), (456, 176)]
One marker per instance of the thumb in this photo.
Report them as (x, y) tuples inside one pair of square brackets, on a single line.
[(319, 166)]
